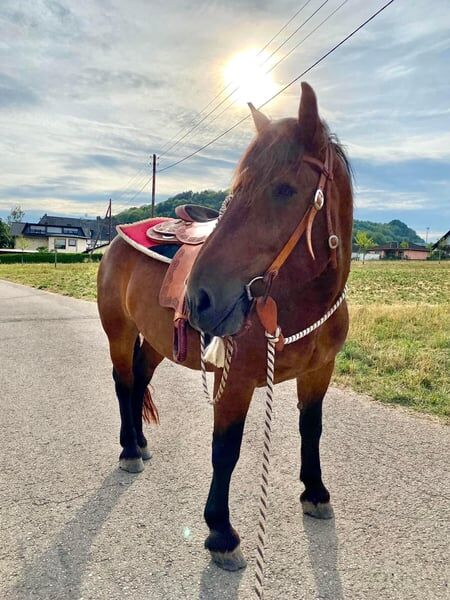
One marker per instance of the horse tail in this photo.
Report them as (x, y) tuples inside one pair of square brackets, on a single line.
[(149, 411)]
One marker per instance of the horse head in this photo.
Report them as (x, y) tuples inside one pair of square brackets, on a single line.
[(275, 194)]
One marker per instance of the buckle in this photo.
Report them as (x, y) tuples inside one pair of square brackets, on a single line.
[(333, 241), (319, 199)]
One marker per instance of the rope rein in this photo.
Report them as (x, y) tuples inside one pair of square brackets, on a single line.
[(226, 369), (268, 418)]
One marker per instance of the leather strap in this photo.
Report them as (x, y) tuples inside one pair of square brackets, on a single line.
[(323, 188), (284, 253), (266, 306), (267, 311)]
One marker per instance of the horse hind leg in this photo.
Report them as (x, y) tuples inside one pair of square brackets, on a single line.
[(311, 389), (145, 361), (121, 346)]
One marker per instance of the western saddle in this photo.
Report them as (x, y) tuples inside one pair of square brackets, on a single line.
[(189, 231)]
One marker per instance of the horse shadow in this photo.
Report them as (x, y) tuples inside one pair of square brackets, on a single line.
[(216, 584), (323, 555), (58, 572)]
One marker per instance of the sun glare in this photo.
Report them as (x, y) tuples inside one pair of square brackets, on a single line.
[(247, 74)]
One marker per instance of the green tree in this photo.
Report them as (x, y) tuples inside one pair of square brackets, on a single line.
[(364, 243), (5, 235), (404, 244), (22, 243), (16, 215)]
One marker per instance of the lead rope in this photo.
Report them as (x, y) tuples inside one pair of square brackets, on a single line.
[(263, 498), (268, 418), (265, 472)]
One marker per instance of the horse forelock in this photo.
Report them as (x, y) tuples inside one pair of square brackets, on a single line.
[(270, 156), (273, 153)]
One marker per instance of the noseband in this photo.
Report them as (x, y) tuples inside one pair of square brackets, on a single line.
[(322, 197)]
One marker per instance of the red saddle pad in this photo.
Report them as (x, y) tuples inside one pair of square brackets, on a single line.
[(135, 234)]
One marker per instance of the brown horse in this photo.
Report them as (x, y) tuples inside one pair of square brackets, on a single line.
[(273, 192)]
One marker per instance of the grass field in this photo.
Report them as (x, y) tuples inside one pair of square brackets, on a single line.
[(398, 349)]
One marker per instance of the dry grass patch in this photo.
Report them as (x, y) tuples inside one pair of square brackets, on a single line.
[(399, 354)]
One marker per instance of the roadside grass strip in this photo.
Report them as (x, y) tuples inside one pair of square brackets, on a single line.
[(398, 348)]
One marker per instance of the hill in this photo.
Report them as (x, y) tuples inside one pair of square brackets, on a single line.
[(383, 233), (167, 208), (380, 233)]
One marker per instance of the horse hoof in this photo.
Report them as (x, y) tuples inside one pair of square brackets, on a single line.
[(321, 510), (229, 561), (132, 465), (145, 452)]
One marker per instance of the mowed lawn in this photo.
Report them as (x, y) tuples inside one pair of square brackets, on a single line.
[(398, 349)]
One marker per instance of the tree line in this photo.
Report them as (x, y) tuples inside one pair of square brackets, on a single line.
[(376, 233)]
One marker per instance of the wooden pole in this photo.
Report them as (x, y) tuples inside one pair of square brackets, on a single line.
[(153, 186), (109, 220)]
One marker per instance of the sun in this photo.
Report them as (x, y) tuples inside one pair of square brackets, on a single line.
[(247, 73)]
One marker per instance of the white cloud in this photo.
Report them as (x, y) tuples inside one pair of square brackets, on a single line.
[(92, 88), (383, 199)]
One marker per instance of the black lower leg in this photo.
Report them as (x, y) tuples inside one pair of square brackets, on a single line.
[(128, 439), (225, 454), (310, 472), (145, 361), (141, 381)]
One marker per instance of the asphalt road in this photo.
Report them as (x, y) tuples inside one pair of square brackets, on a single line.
[(75, 527)]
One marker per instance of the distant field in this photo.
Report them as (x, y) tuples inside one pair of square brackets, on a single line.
[(398, 350), (393, 282)]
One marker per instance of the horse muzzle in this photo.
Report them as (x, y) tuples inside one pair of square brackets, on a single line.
[(213, 316)]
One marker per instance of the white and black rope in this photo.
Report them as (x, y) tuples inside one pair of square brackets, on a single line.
[(265, 472), (304, 332), (225, 371)]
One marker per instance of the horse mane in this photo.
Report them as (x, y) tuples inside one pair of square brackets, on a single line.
[(272, 154)]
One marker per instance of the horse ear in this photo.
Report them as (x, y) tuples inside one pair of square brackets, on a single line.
[(260, 120), (308, 117)]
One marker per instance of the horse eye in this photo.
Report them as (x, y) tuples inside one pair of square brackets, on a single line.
[(284, 190)]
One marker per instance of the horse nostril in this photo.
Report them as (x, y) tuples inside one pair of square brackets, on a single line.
[(204, 301)]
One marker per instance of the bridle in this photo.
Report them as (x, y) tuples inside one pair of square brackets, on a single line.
[(265, 305), (323, 193)]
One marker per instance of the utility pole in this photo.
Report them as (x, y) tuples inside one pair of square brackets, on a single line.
[(426, 236), (153, 186), (109, 220)]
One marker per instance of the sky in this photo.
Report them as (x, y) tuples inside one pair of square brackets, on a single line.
[(89, 89)]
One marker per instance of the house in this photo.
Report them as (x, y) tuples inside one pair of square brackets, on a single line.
[(100, 231), (443, 244), (409, 251), (358, 255), (62, 238)]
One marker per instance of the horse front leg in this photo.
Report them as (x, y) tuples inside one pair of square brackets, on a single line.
[(311, 390), (229, 420)]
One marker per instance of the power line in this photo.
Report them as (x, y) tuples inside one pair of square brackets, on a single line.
[(286, 55), (283, 89), (165, 151), (224, 89), (140, 190), (130, 182), (136, 176)]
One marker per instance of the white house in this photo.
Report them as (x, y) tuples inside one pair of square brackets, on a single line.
[(51, 237)]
